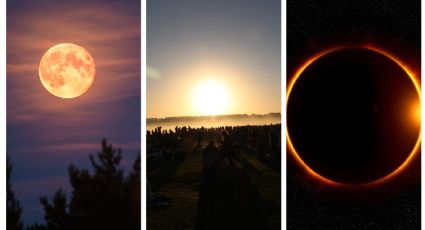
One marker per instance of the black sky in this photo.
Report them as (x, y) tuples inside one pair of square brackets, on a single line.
[(313, 26)]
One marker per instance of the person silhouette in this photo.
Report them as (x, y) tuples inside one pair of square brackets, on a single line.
[(216, 205), (208, 184), (227, 147), (209, 160)]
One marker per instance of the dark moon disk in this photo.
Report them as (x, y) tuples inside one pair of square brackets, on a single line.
[(350, 115)]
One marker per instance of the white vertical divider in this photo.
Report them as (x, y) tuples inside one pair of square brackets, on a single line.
[(283, 113), (143, 115)]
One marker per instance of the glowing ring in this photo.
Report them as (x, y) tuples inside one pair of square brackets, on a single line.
[(328, 181)]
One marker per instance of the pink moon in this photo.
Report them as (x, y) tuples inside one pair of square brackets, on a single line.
[(67, 70)]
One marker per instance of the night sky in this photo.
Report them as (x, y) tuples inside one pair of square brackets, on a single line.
[(314, 26), (346, 115), (46, 133)]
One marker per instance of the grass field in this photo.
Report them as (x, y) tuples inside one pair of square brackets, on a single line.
[(258, 189)]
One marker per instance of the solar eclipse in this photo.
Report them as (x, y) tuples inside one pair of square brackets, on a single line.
[(353, 116)]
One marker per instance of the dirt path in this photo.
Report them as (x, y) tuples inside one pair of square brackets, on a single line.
[(254, 204)]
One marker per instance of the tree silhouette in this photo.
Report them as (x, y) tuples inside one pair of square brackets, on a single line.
[(56, 215), (36, 226), (14, 208), (133, 186), (104, 199)]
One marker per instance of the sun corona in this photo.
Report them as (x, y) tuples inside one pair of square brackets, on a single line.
[(415, 111), (211, 97)]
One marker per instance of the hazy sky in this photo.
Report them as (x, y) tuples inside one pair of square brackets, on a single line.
[(45, 133), (233, 42)]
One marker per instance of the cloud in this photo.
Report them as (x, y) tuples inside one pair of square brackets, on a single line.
[(110, 34), (153, 73), (45, 133)]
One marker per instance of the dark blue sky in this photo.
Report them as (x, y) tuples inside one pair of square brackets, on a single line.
[(45, 133)]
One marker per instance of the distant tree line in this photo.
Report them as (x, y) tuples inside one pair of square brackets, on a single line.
[(213, 118), (105, 199)]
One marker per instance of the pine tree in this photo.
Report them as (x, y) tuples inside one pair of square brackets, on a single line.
[(56, 215), (14, 209), (98, 200), (134, 191), (36, 226), (103, 199)]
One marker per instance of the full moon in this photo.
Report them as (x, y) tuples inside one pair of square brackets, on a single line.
[(67, 70)]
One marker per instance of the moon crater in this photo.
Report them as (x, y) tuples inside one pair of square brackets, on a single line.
[(67, 70)]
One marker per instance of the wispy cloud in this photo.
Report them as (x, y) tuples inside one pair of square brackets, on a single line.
[(45, 133), (111, 36), (153, 73)]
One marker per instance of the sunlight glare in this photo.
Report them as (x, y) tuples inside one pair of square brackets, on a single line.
[(211, 97)]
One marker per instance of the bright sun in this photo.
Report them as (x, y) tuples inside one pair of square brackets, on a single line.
[(211, 97), (67, 70)]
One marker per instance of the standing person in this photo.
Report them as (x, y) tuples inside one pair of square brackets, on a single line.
[(227, 147), (209, 158), (226, 204), (208, 187)]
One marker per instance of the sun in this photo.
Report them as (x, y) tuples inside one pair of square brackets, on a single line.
[(211, 97), (67, 70)]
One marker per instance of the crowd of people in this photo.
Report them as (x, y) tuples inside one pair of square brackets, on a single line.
[(263, 141), (220, 205), (165, 145)]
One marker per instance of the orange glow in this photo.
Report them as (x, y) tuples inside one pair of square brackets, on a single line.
[(67, 70), (211, 97), (379, 181), (416, 113)]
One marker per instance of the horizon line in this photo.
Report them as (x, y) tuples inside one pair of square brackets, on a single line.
[(216, 115)]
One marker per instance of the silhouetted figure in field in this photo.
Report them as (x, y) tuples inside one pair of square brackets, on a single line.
[(227, 197), (227, 147), (209, 171), (263, 141), (216, 205), (207, 185)]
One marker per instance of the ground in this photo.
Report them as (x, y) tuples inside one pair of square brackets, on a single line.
[(258, 192)]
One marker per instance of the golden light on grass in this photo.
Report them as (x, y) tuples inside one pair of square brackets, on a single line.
[(211, 97), (67, 70), (416, 117)]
